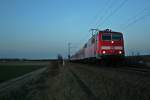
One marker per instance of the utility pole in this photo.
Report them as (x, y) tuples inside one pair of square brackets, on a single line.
[(69, 44)]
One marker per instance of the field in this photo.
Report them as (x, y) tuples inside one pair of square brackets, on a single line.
[(13, 69)]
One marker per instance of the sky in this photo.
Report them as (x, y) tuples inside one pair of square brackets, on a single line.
[(43, 28)]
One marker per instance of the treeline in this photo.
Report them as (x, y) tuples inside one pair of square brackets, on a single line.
[(24, 59)]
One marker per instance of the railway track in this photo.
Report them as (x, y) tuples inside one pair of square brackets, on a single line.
[(138, 70), (135, 68)]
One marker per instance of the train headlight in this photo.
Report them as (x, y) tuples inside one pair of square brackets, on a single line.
[(103, 52), (120, 52), (112, 42)]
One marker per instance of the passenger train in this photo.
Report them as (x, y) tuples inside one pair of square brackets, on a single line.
[(103, 45)]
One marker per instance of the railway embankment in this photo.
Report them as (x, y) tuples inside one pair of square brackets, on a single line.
[(141, 59), (113, 83)]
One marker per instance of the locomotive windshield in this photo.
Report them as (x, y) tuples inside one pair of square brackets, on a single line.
[(106, 37), (116, 36)]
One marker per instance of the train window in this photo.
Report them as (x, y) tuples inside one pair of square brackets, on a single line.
[(106, 37), (116, 36)]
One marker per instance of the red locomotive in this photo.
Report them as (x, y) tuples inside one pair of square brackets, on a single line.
[(104, 44)]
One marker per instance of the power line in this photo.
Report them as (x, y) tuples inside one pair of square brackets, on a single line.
[(100, 11), (139, 13), (105, 10), (136, 20), (113, 12)]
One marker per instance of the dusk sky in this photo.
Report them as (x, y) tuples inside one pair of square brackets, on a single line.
[(42, 28)]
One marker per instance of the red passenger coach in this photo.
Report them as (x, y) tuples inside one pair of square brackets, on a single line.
[(106, 44)]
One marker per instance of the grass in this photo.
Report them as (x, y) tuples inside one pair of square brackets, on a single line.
[(10, 70)]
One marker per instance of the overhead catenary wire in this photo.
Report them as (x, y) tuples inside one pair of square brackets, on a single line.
[(122, 3), (136, 20), (139, 13), (108, 6), (113, 12), (96, 17), (139, 16)]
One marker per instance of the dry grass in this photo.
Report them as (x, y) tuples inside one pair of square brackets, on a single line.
[(108, 84), (9, 70)]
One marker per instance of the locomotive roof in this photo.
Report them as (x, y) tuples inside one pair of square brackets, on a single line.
[(108, 31)]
